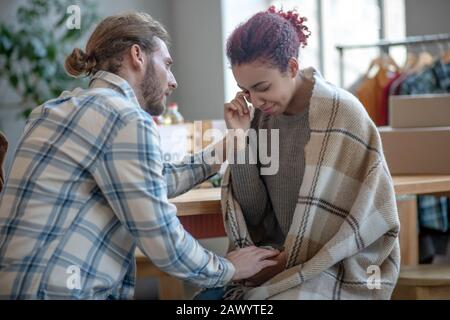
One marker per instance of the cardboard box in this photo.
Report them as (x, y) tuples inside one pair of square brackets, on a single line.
[(428, 110), (417, 150)]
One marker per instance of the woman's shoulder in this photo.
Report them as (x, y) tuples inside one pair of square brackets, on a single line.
[(329, 100)]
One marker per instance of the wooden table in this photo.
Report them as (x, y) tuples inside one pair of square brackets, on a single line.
[(200, 212)]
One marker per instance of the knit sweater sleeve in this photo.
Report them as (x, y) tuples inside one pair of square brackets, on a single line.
[(250, 191), (248, 187)]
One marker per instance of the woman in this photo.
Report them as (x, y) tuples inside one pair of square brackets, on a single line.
[(331, 205)]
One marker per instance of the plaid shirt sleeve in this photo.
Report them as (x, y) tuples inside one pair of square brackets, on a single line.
[(192, 170), (136, 184)]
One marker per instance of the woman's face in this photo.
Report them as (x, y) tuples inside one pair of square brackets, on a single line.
[(266, 87)]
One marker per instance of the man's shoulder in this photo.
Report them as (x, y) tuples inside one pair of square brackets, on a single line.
[(113, 101), (110, 103), (93, 110)]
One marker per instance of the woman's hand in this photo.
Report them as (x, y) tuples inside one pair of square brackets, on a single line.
[(250, 260), (237, 113)]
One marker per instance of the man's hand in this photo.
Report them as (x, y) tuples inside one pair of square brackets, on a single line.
[(250, 260), (268, 273)]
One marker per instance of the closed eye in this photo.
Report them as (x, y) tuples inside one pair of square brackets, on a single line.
[(263, 88)]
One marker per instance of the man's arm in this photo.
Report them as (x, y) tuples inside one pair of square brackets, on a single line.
[(129, 175), (193, 169)]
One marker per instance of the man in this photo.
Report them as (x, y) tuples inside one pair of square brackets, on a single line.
[(87, 184)]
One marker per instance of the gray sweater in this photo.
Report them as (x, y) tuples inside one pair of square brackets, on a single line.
[(268, 201)]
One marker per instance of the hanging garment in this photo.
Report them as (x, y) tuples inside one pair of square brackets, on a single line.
[(384, 101), (353, 88), (435, 79), (407, 70), (370, 92), (431, 244), (433, 213)]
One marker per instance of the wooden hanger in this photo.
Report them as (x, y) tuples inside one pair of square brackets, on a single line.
[(383, 62), (411, 60), (425, 60)]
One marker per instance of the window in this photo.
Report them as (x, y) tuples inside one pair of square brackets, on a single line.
[(332, 22), (310, 55), (349, 22), (235, 12)]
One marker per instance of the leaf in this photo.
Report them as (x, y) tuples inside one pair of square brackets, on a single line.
[(32, 52), (61, 20), (6, 42), (38, 48), (52, 52), (25, 114), (14, 80)]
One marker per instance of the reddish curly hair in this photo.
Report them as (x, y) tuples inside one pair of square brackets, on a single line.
[(272, 36)]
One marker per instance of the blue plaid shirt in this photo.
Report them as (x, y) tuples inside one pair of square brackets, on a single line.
[(86, 186)]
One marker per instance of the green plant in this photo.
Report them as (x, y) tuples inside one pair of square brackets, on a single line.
[(33, 50)]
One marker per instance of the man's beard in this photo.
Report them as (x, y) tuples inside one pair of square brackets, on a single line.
[(152, 93)]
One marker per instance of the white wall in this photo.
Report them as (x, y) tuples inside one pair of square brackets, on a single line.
[(235, 12), (197, 52), (427, 17), (158, 9)]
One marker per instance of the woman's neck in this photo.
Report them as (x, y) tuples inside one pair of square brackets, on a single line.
[(302, 95)]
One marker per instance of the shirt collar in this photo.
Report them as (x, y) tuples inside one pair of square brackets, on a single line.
[(105, 79)]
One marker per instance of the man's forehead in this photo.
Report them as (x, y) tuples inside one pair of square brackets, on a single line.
[(162, 49)]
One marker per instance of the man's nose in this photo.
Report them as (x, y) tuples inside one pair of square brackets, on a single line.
[(172, 82)]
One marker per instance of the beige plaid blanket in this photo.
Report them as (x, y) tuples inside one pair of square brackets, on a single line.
[(343, 241)]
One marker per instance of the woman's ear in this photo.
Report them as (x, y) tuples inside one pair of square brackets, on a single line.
[(293, 67)]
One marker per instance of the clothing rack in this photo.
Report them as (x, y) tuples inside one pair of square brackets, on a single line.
[(384, 45)]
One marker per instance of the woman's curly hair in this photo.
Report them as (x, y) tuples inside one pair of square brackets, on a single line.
[(272, 36)]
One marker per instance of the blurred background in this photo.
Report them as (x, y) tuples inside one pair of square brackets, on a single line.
[(199, 29)]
